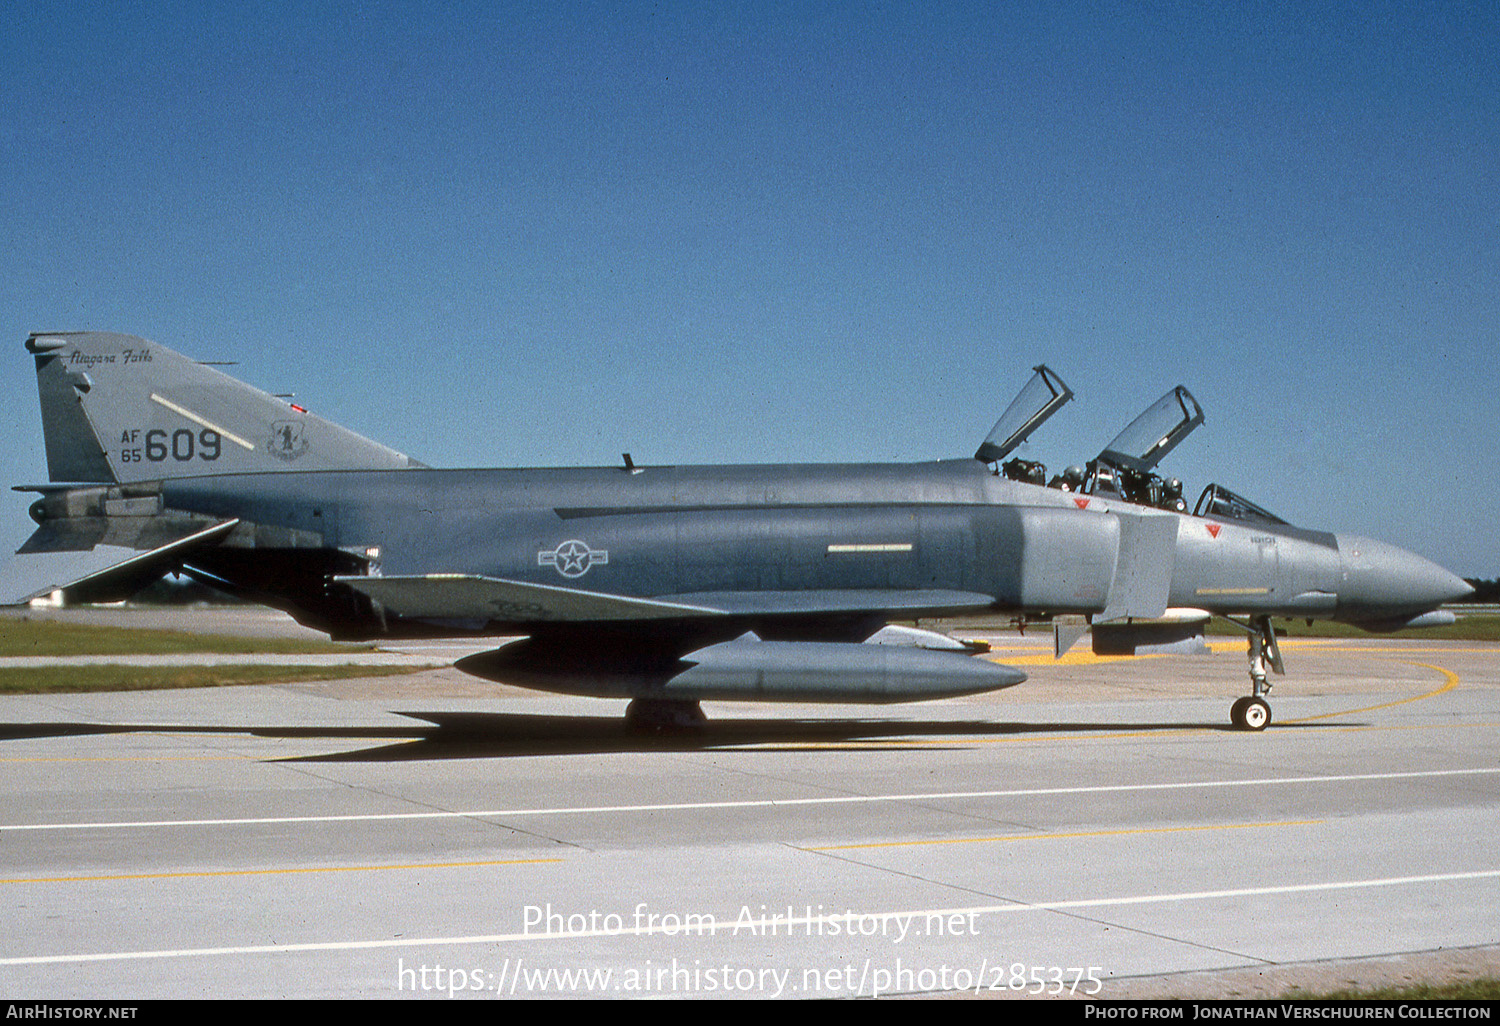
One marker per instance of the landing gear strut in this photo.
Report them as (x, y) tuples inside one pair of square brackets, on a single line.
[(1253, 712)]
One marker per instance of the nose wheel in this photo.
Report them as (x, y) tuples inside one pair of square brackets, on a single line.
[(1250, 713)]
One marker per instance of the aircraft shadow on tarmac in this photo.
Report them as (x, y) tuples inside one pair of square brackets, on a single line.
[(473, 735)]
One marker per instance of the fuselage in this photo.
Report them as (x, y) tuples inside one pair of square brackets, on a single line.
[(696, 532)]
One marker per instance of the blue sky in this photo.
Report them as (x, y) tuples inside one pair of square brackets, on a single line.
[(545, 234)]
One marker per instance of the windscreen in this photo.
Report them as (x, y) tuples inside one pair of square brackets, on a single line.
[(1218, 501)]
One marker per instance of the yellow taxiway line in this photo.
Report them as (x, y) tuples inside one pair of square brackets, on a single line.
[(284, 871), (1066, 836)]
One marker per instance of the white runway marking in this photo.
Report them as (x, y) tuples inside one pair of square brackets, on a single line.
[(767, 803), (807, 922)]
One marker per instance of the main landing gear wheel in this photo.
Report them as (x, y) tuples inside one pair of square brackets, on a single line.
[(1250, 713), (657, 715)]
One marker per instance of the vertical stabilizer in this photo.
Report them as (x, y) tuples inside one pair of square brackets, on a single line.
[(119, 408)]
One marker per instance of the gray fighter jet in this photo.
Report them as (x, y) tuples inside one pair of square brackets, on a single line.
[(670, 585)]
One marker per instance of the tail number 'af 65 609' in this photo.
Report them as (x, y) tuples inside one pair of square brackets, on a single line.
[(158, 446)]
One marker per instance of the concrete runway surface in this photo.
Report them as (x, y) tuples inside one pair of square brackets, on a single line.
[(1096, 831)]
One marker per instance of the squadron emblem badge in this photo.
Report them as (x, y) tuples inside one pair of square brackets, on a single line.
[(288, 440)]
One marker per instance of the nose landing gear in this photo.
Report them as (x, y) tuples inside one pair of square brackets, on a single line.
[(1253, 712)]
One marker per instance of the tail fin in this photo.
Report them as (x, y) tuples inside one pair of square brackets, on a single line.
[(117, 408)]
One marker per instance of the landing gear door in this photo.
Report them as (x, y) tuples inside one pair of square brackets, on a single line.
[(1153, 434), (1041, 397)]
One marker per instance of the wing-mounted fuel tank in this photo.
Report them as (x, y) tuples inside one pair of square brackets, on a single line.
[(743, 669)]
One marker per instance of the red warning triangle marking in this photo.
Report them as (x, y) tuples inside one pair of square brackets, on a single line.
[(1213, 529), (1081, 503)]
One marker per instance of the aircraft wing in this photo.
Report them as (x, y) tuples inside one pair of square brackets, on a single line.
[(476, 597), (907, 604), (695, 650)]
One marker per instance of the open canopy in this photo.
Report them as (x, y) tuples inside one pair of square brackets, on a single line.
[(1156, 432), (1039, 399)]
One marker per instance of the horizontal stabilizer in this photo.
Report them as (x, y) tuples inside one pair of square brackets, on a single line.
[(471, 596), (106, 573), (79, 534)]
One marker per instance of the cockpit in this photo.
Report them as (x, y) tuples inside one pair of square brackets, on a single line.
[(1126, 468)]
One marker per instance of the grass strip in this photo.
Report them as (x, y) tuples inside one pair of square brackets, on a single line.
[(1467, 628), (1464, 990), (25, 636), (59, 679)]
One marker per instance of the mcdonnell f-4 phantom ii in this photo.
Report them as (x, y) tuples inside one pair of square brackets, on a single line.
[(669, 585)]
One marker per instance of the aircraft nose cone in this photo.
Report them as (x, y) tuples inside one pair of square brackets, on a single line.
[(1383, 580)]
